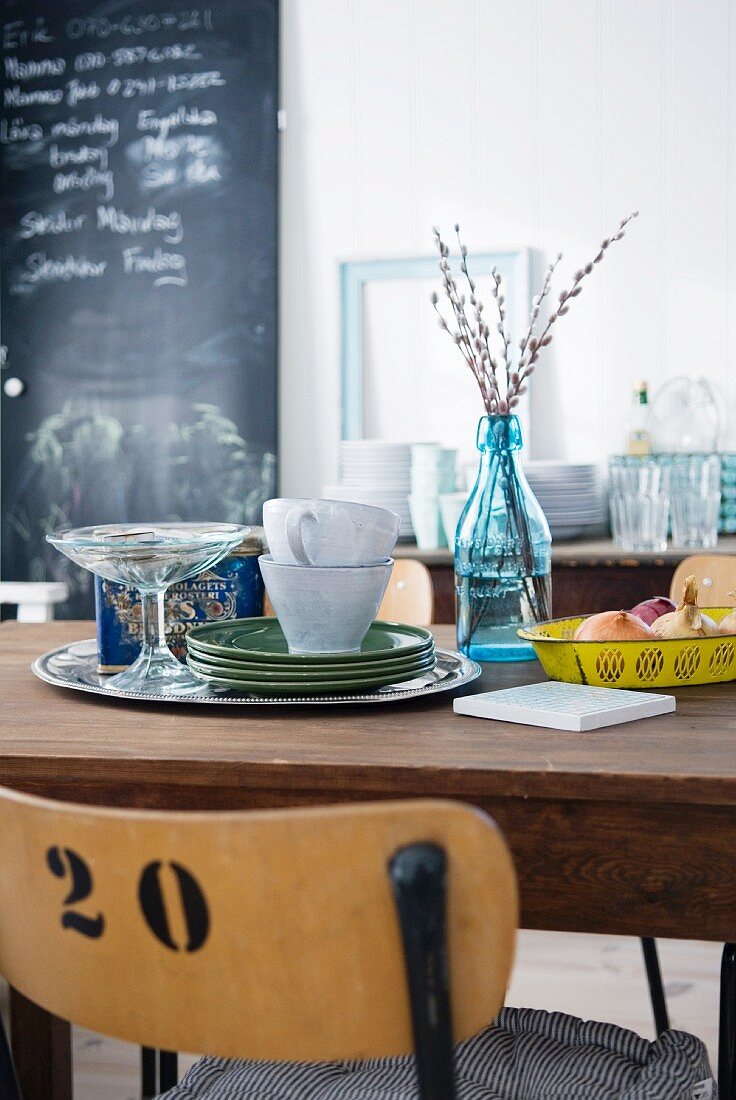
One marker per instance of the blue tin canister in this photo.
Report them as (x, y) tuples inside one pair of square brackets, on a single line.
[(232, 589)]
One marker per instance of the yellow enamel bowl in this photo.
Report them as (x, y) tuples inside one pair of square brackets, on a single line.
[(676, 662)]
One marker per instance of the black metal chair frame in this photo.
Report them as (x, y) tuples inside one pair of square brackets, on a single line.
[(9, 1089), (656, 988), (418, 875), (159, 1071), (727, 1025)]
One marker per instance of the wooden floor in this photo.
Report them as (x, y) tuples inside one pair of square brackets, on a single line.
[(597, 977)]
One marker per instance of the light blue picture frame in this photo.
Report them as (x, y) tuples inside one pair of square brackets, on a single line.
[(514, 266)]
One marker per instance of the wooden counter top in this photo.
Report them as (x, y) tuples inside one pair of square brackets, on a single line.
[(594, 552)]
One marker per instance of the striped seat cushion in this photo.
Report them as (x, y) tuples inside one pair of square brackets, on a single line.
[(525, 1055)]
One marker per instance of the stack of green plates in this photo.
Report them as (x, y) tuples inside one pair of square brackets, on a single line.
[(251, 655)]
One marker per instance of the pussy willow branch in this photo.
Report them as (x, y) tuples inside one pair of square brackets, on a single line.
[(534, 346), (487, 380), (536, 305), (473, 336), (472, 340), (499, 300), (464, 336)]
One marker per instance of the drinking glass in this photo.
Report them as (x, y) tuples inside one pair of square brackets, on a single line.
[(696, 500), (151, 557), (639, 497)]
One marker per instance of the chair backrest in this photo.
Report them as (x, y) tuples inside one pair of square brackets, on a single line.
[(409, 597), (34, 599), (270, 935), (716, 577)]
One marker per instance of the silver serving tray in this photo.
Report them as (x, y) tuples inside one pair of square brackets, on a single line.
[(75, 666)]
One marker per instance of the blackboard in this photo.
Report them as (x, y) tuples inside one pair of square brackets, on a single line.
[(138, 206)]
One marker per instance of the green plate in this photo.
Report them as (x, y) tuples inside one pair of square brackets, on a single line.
[(262, 640), (310, 687), (286, 669), (271, 675)]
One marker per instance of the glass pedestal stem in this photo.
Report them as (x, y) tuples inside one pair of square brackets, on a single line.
[(153, 623), (156, 671)]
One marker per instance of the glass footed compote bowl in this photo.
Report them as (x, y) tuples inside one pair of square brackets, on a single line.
[(151, 556)]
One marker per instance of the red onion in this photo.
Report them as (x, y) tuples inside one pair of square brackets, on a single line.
[(649, 610)]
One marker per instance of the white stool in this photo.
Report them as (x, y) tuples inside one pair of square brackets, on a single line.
[(35, 599)]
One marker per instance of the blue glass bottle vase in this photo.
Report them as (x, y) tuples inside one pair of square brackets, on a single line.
[(502, 551)]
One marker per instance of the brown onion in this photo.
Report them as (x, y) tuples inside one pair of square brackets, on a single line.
[(727, 625), (688, 621), (613, 626)]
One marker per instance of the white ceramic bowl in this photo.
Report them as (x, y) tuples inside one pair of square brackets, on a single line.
[(325, 609), (328, 532)]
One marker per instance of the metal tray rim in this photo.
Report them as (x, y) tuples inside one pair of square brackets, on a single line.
[(462, 671)]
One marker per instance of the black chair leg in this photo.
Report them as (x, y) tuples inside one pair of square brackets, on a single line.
[(727, 1026), (149, 1073), (168, 1070), (159, 1071), (9, 1088), (418, 878), (656, 988)]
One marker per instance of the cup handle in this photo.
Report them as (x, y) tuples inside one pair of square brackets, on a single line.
[(293, 526)]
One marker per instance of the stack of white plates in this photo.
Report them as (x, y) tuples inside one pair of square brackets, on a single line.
[(571, 497), (373, 471)]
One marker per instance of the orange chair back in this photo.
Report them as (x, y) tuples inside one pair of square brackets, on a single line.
[(409, 597), (716, 577), (269, 935)]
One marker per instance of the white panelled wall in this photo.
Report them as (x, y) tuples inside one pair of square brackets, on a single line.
[(533, 123)]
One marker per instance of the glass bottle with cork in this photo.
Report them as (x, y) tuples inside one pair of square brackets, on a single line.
[(638, 438)]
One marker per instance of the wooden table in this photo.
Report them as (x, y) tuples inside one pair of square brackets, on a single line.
[(629, 830)]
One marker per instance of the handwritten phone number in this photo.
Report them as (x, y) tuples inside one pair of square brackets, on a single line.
[(177, 82), (100, 27), (136, 55)]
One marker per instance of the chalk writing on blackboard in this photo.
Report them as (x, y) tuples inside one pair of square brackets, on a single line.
[(175, 147), (138, 150)]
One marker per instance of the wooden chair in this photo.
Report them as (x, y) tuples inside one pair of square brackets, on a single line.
[(409, 597), (715, 574), (310, 934), (35, 600)]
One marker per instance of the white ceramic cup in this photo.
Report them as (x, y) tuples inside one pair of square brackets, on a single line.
[(425, 519), (326, 609), (430, 456), (427, 483), (451, 507), (328, 532)]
